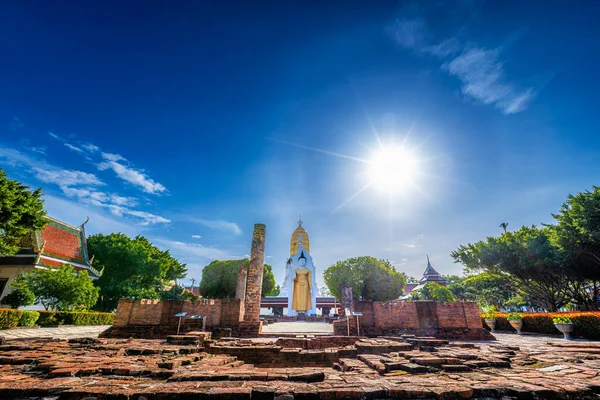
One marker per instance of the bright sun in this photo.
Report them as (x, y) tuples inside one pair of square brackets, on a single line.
[(393, 169)]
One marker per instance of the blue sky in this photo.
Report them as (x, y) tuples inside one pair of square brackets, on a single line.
[(188, 122)]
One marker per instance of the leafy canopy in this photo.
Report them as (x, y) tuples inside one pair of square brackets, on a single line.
[(21, 213), (527, 259), (133, 268), (433, 291), (370, 279), (62, 288), (177, 292), (21, 295), (219, 279)]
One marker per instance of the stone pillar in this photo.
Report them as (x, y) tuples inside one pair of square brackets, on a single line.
[(255, 274), (240, 290), (347, 299)]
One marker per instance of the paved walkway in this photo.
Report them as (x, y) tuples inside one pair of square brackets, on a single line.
[(63, 332), (299, 327)]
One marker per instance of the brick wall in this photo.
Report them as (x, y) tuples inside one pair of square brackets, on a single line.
[(138, 312), (218, 312), (459, 319)]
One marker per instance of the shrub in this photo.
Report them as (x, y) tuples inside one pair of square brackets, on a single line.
[(29, 318), (20, 296), (514, 316), (75, 318), (490, 312), (433, 291), (9, 318), (562, 320), (586, 324)]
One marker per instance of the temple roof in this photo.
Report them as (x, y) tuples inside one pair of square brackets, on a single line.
[(431, 275), (56, 244)]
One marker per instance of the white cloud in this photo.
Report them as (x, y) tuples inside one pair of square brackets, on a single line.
[(146, 217), (74, 148), (410, 33), (196, 237), (219, 225), (122, 201), (113, 157), (483, 79), (55, 136), (480, 70), (40, 150), (15, 124), (195, 250), (90, 147), (74, 213), (78, 185), (129, 174), (410, 246), (65, 177), (444, 48)]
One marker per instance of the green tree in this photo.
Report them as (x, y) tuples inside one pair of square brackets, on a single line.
[(132, 268), (527, 259), (21, 295), (62, 288), (21, 213), (269, 286), (370, 279), (177, 292), (433, 291), (488, 289), (456, 286), (577, 233), (219, 279)]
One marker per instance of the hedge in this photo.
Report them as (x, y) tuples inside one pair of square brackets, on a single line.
[(28, 318), (75, 318), (586, 324), (9, 318)]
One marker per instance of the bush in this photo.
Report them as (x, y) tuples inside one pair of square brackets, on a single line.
[(586, 324), (433, 291), (29, 318), (514, 316), (562, 320), (9, 318), (490, 312), (20, 296), (75, 318)]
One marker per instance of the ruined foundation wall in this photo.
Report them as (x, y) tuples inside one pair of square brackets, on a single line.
[(153, 318), (459, 320)]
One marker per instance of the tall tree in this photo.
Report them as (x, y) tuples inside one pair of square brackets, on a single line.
[(269, 286), (21, 212), (504, 225), (62, 288), (577, 232), (527, 258), (370, 279), (132, 268), (433, 291), (219, 279)]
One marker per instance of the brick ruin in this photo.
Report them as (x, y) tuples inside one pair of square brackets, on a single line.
[(240, 317), (252, 369), (458, 320)]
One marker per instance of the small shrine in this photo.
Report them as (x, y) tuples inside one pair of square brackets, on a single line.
[(430, 275)]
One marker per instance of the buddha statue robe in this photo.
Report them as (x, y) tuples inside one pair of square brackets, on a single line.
[(302, 300)]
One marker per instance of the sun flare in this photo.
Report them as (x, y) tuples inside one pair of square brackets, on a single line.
[(392, 169)]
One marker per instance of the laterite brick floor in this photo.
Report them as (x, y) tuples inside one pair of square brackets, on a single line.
[(512, 367)]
